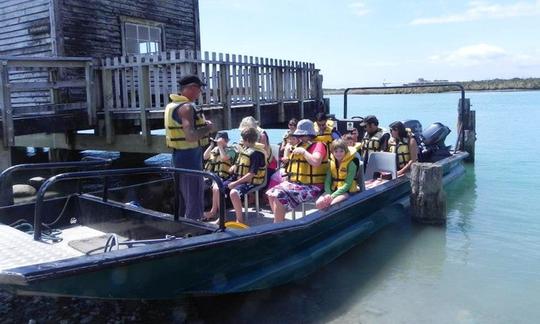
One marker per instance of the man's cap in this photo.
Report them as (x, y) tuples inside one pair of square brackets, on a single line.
[(222, 134), (191, 79), (304, 128), (369, 119)]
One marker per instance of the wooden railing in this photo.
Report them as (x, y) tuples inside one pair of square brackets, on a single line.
[(32, 85), (144, 82)]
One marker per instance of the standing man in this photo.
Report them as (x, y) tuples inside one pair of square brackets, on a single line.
[(375, 139), (186, 132)]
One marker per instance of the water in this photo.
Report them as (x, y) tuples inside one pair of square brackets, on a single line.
[(483, 267)]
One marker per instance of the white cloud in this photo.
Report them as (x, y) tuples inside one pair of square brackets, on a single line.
[(488, 55), (479, 10), (359, 8), (472, 55)]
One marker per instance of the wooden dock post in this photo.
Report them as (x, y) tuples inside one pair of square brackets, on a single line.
[(467, 120), (428, 199)]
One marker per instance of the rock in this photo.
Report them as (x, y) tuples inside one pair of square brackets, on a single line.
[(23, 190)]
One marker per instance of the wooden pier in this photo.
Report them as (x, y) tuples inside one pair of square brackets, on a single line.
[(115, 103)]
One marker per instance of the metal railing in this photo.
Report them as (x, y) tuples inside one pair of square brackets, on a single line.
[(6, 189), (105, 174), (461, 114)]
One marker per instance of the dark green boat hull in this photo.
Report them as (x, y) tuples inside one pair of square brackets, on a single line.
[(225, 262)]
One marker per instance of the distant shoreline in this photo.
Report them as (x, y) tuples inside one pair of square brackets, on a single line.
[(511, 85)]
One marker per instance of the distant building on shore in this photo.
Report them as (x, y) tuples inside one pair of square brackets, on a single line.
[(422, 81)]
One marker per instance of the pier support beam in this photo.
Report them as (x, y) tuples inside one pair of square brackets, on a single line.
[(428, 199)]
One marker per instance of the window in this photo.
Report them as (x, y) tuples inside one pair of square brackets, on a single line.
[(142, 39)]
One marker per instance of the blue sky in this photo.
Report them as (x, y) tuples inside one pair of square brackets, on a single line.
[(357, 43)]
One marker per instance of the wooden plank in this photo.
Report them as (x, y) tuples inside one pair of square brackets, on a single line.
[(174, 75), (116, 86), (90, 94), (123, 76), (280, 93), (157, 88), (208, 74), (255, 95), (144, 100), (5, 102), (233, 80), (108, 102), (132, 86), (26, 86), (300, 89), (226, 93)]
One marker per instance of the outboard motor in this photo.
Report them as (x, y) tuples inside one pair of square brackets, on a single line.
[(433, 148), (416, 128), (414, 125)]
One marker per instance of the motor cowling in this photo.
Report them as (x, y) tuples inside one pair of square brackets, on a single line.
[(433, 148)]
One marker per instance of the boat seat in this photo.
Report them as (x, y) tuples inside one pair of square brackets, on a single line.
[(255, 190), (381, 162)]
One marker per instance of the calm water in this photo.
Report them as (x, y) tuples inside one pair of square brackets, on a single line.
[(483, 267)]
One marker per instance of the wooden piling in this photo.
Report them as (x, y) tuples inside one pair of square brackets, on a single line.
[(428, 199), (467, 122)]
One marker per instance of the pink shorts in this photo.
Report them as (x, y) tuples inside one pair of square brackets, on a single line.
[(290, 194)]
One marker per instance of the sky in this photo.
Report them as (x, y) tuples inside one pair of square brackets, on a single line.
[(368, 42)]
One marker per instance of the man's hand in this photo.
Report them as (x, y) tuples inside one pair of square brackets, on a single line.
[(221, 142), (299, 150)]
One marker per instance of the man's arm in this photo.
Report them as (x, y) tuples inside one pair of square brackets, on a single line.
[(192, 134)]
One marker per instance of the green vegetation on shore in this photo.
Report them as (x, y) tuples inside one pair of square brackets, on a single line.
[(484, 85)]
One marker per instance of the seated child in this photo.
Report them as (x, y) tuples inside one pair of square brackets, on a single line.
[(248, 171), (280, 176), (341, 176), (219, 158)]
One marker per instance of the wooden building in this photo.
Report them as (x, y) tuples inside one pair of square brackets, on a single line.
[(108, 67)]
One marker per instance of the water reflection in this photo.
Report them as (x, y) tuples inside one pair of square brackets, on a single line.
[(461, 199)]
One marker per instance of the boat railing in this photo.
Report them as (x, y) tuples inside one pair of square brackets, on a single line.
[(6, 189), (462, 103), (106, 174)]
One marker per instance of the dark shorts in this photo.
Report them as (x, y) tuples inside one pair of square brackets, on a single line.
[(242, 189)]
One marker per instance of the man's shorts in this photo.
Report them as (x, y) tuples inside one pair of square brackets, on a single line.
[(291, 194)]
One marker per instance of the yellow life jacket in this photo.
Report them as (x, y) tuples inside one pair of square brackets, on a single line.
[(301, 171), (340, 174), (401, 148), (326, 136), (243, 163), (174, 133), (216, 165), (371, 143)]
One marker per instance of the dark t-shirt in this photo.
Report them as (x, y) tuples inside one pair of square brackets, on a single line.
[(256, 161)]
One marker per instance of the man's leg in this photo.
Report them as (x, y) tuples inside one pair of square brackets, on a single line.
[(191, 187)]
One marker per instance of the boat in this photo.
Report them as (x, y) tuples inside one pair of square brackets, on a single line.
[(92, 245)]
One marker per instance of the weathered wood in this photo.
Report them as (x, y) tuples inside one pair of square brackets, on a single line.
[(90, 94), (107, 103), (226, 93), (144, 100), (255, 95), (428, 199), (5, 106), (280, 94)]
